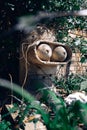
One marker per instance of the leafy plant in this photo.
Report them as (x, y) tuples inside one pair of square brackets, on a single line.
[(58, 116), (5, 125)]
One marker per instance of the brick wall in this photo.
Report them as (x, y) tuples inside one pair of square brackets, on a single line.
[(76, 66)]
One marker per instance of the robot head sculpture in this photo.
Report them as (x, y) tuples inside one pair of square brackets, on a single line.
[(42, 57)]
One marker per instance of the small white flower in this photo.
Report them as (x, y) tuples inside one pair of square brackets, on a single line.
[(77, 42)]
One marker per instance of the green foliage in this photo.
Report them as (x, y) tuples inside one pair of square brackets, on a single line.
[(4, 125), (56, 106), (84, 86), (64, 117), (62, 5), (71, 84), (78, 44), (63, 24), (27, 98), (78, 113)]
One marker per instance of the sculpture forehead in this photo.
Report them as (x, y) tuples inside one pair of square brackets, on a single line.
[(40, 33)]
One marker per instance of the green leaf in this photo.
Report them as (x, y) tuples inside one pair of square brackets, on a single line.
[(83, 59), (83, 85)]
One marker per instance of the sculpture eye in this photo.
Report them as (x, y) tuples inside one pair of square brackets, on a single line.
[(44, 52), (59, 54)]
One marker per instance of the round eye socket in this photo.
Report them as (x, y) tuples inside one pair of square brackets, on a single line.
[(59, 54), (33, 36), (44, 52)]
